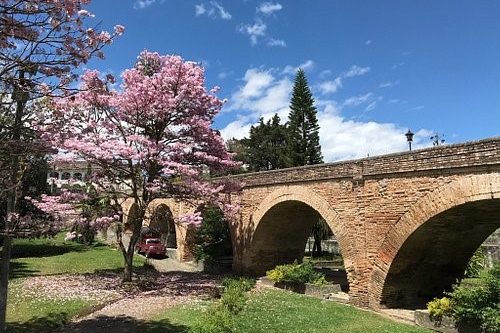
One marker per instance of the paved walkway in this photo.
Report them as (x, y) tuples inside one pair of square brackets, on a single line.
[(172, 265)]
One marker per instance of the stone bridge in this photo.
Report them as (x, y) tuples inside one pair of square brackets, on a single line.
[(406, 223)]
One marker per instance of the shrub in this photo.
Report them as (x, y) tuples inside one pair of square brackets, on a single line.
[(476, 264), (246, 284), (479, 303), (300, 273), (217, 319), (440, 307), (220, 316), (212, 239)]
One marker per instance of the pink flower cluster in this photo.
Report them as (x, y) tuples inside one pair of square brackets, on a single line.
[(153, 135), (52, 36)]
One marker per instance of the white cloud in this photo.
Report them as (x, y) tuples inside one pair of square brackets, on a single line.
[(212, 9), (393, 101), (355, 70), (416, 108), (332, 86), (199, 9), (254, 31), (343, 139), (141, 4), (276, 42), (399, 64), (371, 106), (265, 93), (262, 95), (224, 75), (329, 87), (224, 14), (325, 73), (358, 100), (387, 84), (368, 42), (237, 129), (267, 8), (275, 100), (256, 83), (307, 65)]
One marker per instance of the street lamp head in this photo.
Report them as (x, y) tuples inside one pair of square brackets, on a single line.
[(409, 136)]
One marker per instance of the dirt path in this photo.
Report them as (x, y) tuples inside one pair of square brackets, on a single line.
[(134, 312)]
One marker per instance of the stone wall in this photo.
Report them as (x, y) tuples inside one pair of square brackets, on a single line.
[(387, 214), (372, 206)]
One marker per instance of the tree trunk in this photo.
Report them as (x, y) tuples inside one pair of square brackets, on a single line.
[(317, 250), (128, 252), (21, 98), (127, 271), (4, 280)]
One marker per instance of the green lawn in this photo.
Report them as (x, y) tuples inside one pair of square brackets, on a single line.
[(285, 312), (27, 312), (266, 311), (48, 256)]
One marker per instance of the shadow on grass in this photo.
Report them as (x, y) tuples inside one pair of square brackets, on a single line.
[(38, 250), (20, 270), (102, 324), (123, 324), (39, 325), (174, 283)]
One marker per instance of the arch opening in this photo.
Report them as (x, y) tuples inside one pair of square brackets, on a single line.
[(285, 234), (436, 254), (131, 217), (211, 242), (162, 222)]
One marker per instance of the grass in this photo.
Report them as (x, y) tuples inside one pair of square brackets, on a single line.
[(284, 312), (26, 313), (48, 256), (266, 311), (30, 313)]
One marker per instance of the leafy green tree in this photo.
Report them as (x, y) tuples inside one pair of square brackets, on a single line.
[(212, 239), (303, 128), (266, 147)]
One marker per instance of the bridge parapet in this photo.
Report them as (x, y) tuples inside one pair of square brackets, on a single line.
[(483, 154)]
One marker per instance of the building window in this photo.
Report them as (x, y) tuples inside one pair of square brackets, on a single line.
[(54, 175), (77, 176), (66, 176)]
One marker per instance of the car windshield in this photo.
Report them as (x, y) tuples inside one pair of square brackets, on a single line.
[(152, 241)]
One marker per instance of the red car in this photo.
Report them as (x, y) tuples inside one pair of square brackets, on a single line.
[(151, 247)]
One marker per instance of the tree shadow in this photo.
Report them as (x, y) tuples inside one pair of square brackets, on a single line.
[(53, 323), (174, 283), (123, 324), (20, 270), (39, 325), (36, 250)]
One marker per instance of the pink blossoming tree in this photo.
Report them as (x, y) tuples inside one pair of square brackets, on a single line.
[(150, 139), (42, 42)]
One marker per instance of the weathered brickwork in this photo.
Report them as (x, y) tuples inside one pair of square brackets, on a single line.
[(183, 233), (382, 211), (372, 205)]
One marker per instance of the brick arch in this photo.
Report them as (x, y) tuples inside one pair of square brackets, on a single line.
[(310, 198), (183, 232), (130, 211), (465, 190)]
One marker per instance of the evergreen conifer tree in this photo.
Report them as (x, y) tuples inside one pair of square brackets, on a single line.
[(303, 144)]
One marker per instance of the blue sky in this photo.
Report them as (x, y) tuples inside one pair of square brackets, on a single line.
[(376, 68)]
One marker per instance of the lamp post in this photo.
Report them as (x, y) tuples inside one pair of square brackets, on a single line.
[(409, 138)]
